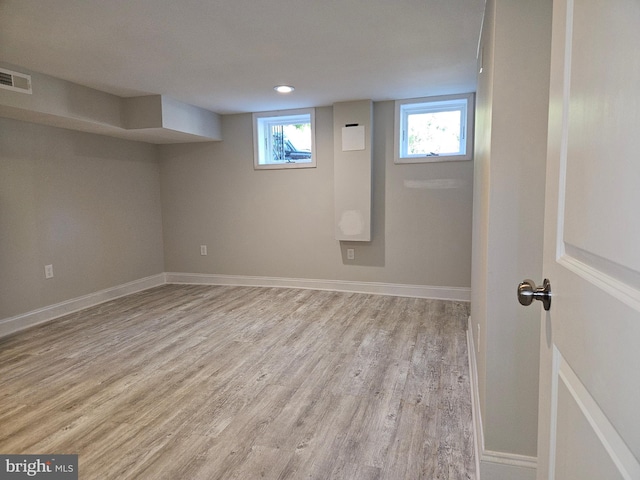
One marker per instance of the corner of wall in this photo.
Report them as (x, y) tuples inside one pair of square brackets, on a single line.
[(489, 464), (20, 322)]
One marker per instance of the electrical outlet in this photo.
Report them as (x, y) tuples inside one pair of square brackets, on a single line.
[(48, 271), (351, 253), (203, 249)]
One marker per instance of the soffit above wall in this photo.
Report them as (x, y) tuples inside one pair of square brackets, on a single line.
[(152, 118)]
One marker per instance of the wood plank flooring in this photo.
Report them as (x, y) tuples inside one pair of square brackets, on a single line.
[(202, 382)]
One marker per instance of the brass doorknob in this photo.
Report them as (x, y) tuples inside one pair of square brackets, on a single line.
[(528, 292)]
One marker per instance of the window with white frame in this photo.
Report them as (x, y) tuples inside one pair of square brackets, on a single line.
[(434, 129), (284, 139)]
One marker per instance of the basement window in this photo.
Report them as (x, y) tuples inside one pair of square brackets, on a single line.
[(434, 129), (284, 139)]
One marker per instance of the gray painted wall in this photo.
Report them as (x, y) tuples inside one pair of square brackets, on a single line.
[(108, 211), (511, 145), (87, 204), (280, 223)]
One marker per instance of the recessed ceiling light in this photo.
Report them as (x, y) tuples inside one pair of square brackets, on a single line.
[(284, 88)]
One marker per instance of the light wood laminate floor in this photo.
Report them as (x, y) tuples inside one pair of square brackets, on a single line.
[(206, 382)]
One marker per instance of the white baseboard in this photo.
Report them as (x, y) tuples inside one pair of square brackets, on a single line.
[(475, 398), (493, 465), (20, 322), (507, 466), (398, 290)]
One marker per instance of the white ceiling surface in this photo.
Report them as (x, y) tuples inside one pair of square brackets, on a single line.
[(226, 55)]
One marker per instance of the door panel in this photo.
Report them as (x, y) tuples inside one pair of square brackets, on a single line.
[(603, 137), (600, 452), (590, 344)]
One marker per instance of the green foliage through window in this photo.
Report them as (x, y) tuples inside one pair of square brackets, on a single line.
[(434, 127)]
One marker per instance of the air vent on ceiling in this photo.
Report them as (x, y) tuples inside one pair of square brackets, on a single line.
[(18, 82)]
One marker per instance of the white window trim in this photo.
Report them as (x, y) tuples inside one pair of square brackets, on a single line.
[(399, 127), (283, 113)]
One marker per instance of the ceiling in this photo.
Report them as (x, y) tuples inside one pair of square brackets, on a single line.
[(227, 55)]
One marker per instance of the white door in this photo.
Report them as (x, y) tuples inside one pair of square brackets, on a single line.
[(590, 341)]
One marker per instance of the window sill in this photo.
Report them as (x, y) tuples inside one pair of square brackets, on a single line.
[(433, 159)]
